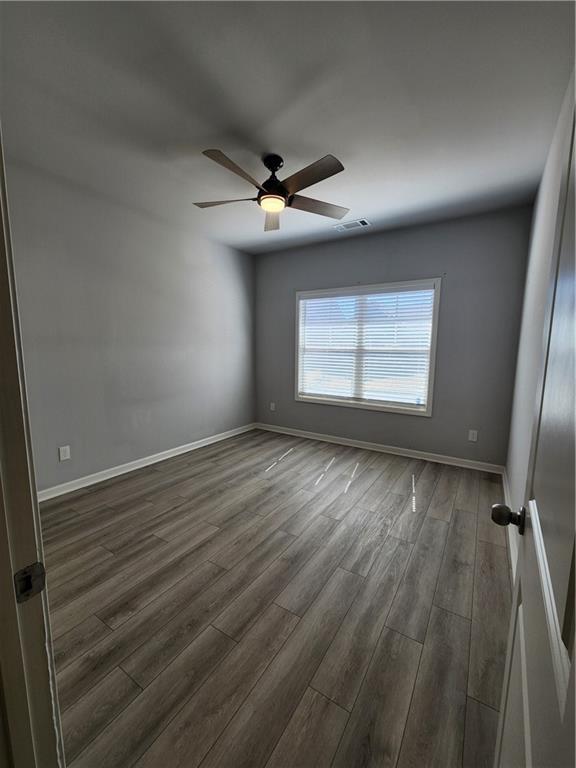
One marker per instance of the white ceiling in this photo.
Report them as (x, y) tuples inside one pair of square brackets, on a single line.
[(434, 108)]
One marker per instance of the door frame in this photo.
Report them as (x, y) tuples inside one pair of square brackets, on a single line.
[(27, 672), (563, 668)]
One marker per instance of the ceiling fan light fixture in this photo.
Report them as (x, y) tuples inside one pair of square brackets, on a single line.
[(272, 203)]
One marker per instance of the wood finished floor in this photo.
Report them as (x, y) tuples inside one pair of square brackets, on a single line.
[(280, 602)]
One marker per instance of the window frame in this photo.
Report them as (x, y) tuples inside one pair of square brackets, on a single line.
[(357, 290)]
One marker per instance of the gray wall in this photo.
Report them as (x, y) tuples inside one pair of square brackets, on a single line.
[(137, 335), (539, 278), (481, 260), (137, 327)]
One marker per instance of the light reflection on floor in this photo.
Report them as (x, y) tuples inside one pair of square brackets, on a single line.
[(325, 470), (279, 460), (322, 475), (352, 478)]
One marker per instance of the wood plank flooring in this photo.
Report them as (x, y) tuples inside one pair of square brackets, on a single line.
[(270, 601)]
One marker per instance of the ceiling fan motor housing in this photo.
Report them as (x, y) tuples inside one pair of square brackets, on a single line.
[(273, 162), (272, 185)]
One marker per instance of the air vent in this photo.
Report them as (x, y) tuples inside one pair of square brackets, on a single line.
[(348, 225)]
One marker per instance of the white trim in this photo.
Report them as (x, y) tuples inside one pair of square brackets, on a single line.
[(369, 288), (511, 531), (411, 453), (513, 628), (27, 669), (558, 651), (366, 405), (108, 474), (122, 469), (434, 283), (525, 688)]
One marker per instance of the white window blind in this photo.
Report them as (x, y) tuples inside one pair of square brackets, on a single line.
[(370, 347)]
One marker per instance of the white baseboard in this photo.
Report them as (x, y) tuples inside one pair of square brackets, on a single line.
[(122, 469), (454, 461), (107, 474)]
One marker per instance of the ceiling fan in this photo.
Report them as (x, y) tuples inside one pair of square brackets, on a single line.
[(275, 195)]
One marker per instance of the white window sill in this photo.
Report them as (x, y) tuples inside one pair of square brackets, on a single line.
[(367, 405)]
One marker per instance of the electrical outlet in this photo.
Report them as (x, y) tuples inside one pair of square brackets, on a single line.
[(272, 406), (473, 435), (64, 453)]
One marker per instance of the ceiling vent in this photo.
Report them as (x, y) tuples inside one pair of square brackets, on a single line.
[(349, 225)]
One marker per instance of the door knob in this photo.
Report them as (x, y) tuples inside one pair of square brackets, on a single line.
[(503, 515)]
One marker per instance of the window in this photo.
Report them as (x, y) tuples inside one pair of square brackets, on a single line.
[(369, 346)]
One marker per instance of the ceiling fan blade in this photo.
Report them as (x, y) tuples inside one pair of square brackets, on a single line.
[(272, 222), (318, 206), (212, 203), (312, 174), (220, 158)]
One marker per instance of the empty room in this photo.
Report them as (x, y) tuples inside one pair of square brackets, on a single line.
[(287, 407)]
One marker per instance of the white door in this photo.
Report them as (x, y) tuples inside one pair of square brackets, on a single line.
[(30, 733), (537, 712)]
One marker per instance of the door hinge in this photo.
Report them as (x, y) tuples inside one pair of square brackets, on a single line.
[(29, 581)]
